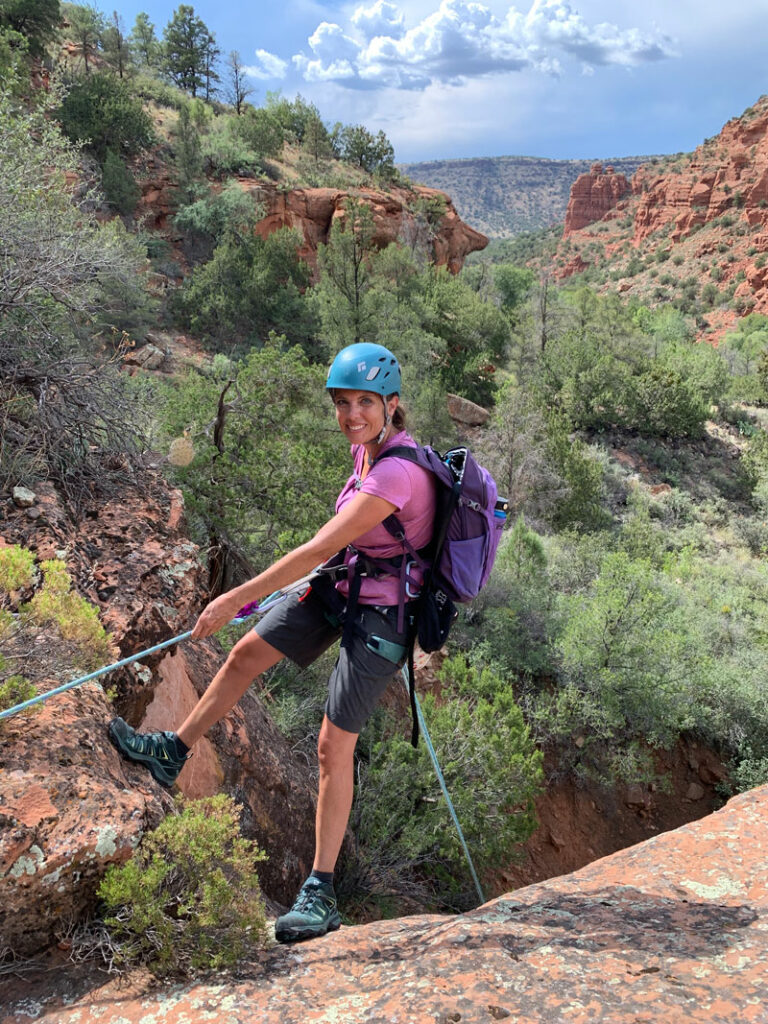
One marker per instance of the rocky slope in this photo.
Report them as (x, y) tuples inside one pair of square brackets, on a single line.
[(691, 229), (671, 930), (68, 804)]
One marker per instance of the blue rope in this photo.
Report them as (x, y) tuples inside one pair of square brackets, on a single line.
[(443, 787), (242, 615)]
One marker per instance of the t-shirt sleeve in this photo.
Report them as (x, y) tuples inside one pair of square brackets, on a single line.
[(390, 480)]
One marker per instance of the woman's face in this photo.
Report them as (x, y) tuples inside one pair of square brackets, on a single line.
[(360, 414)]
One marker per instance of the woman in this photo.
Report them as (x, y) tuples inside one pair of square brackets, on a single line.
[(364, 383)]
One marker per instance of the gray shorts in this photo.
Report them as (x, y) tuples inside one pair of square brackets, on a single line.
[(299, 629)]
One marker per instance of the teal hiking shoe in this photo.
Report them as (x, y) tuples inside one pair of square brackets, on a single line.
[(313, 914), (157, 751)]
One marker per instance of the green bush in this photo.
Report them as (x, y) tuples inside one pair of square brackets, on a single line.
[(101, 111), (189, 898), (17, 568), (492, 771), (15, 690), (119, 185), (75, 618)]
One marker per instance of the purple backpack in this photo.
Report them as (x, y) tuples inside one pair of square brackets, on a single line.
[(468, 524)]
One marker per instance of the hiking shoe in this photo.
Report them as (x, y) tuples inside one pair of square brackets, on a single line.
[(157, 751), (313, 914)]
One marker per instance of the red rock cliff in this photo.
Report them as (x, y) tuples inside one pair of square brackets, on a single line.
[(312, 211), (593, 196)]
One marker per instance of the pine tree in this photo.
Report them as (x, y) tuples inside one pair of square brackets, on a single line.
[(143, 41), (186, 50)]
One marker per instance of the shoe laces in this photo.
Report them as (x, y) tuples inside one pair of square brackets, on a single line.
[(158, 743), (308, 896)]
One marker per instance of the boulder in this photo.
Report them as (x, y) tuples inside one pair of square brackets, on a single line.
[(463, 411)]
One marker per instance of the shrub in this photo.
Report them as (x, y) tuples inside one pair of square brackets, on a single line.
[(101, 111), (17, 568), (15, 690), (189, 898), (492, 771), (76, 619)]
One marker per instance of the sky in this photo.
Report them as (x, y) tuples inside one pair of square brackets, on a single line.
[(447, 79)]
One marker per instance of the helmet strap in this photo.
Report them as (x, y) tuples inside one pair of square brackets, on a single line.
[(387, 421)]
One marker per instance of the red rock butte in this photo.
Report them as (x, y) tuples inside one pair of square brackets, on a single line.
[(672, 930)]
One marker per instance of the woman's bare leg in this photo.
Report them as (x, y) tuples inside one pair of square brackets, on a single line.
[(335, 750), (248, 658)]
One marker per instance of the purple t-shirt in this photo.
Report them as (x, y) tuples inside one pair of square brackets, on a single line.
[(411, 490)]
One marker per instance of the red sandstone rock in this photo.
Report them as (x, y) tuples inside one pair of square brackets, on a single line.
[(725, 176), (671, 930), (312, 211), (593, 195)]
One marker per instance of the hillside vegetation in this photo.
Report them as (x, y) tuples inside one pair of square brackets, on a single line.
[(503, 196), (628, 605)]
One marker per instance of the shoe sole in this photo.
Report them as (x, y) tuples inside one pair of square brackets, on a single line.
[(302, 934), (147, 762)]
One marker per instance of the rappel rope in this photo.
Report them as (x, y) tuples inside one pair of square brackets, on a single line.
[(443, 787), (245, 613)]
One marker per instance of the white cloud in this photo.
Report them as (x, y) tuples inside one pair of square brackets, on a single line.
[(463, 40), (269, 66), (383, 19)]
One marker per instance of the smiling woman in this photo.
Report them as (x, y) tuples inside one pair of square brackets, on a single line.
[(375, 630)]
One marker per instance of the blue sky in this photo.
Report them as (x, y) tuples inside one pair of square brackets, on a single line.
[(458, 78)]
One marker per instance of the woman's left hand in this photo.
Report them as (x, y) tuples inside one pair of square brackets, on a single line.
[(215, 615)]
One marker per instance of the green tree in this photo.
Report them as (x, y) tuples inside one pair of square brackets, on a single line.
[(211, 76), (345, 276), (116, 46), (513, 285), (188, 148), (101, 111), (249, 287), (119, 185), (35, 20), (261, 131), (62, 407), (187, 44), (86, 27), (268, 463), (143, 41), (372, 153)]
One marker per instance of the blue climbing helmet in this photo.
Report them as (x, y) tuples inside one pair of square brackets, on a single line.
[(365, 367)]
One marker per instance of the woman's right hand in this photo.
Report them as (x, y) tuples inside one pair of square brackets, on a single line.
[(215, 615)]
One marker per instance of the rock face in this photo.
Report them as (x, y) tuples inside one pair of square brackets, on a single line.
[(593, 196), (314, 210), (671, 930), (68, 804)]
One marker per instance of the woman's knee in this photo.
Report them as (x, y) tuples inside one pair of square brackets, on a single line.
[(335, 747), (251, 656)]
